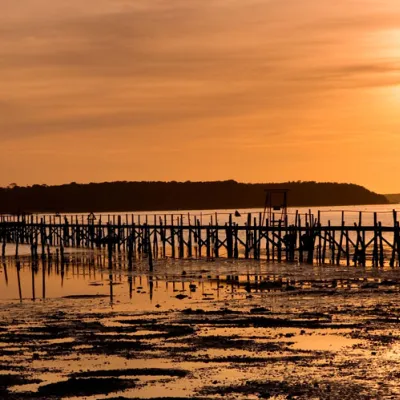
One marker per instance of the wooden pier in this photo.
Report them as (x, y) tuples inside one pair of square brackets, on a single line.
[(300, 238)]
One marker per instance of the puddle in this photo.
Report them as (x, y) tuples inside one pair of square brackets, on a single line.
[(324, 342)]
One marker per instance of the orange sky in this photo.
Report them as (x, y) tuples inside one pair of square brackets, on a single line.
[(252, 90)]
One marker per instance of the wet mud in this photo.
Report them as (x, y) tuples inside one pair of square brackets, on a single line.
[(328, 337)]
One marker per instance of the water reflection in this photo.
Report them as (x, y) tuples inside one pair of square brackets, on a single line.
[(173, 283), (19, 281), (5, 272)]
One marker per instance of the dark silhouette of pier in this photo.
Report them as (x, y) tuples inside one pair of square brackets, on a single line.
[(304, 239)]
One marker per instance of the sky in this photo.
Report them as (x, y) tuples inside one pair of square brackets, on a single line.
[(251, 90)]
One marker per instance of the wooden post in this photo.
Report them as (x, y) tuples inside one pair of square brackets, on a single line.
[(19, 280), (189, 242), (110, 237), (78, 228), (340, 241), (199, 239), (229, 237), (180, 237), (324, 245), (362, 240), (150, 255), (134, 245), (255, 241), (356, 249), (310, 242), (267, 244), (172, 237), (129, 250), (375, 251), (208, 243), (347, 249), (248, 225), (279, 241), (155, 240), (319, 238), (332, 243), (216, 237), (395, 240), (163, 238), (398, 241), (16, 243), (300, 241), (273, 236), (42, 237), (119, 233), (236, 241), (381, 250)]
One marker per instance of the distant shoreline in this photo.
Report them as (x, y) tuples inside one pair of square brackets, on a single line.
[(177, 196)]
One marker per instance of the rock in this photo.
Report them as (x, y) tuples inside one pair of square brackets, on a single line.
[(387, 282), (191, 311), (192, 287), (257, 310), (370, 285)]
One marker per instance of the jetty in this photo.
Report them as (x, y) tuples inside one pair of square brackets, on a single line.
[(294, 238)]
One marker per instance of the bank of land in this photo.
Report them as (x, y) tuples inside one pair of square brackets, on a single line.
[(148, 196)]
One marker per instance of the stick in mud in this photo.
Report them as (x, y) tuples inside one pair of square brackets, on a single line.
[(5, 272), (19, 280), (149, 251), (3, 250)]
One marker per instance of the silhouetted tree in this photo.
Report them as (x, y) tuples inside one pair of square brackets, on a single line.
[(146, 196)]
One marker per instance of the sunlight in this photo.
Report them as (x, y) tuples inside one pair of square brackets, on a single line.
[(394, 92), (385, 50), (388, 42)]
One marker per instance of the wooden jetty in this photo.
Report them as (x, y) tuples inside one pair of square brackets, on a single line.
[(300, 238)]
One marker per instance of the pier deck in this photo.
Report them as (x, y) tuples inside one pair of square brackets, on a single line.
[(302, 238)]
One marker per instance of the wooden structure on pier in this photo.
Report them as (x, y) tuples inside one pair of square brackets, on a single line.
[(275, 200), (304, 239)]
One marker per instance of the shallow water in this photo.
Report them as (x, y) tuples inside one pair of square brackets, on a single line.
[(236, 328), (89, 274)]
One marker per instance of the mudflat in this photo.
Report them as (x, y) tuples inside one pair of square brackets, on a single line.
[(193, 329)]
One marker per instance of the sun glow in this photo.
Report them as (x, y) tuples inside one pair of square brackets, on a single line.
[(384, 54), (387, 45), (394, 91)]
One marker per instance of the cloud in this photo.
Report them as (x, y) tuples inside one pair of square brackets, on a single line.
[(194, 71)]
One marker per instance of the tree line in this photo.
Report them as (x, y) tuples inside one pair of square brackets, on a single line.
[(152, 196)]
